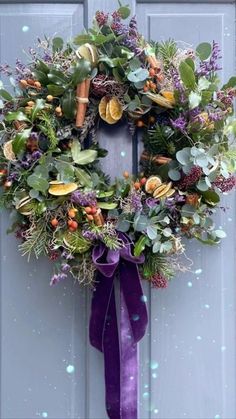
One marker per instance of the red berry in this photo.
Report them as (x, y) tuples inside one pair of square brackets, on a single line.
[(87, 210), (93, 210), (74, 225), (143, 181)]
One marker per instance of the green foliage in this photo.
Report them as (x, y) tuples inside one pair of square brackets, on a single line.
[(47, 126), (204, 51), (36, 239)]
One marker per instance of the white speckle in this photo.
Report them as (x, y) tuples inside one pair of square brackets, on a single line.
[(122, 153), (146, 395), (154, 375), (135, 317), (230, 219), (44, 415), (154, 365), (190, 284), (199, 337), (198, 271), (217, 416), (144, 298), (223, 348), (207, 306), (155, 411), (25, 28), (70, 369)]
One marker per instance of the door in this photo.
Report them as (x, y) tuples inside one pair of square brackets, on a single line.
[(187, 358)]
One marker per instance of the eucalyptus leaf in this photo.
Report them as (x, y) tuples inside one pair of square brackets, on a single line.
[(174, 174), (138, 75), (220, 233), (202, 185), (151, 232), (194, 99), (183, 156), (124, 12)]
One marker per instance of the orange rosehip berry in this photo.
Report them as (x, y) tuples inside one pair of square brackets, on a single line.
[(69, 223), (49, 98), (37, 84), (93, 210), (72, 213), (152, 72), (30, 82), (23, 83), (126, 174), (89, 217), (54, 222), (58, 110), (87, 210), (143, 181), (140, 123), (137, 185), (31, 103), (71, 229), (145, 89), (74, 225), (152, 119)]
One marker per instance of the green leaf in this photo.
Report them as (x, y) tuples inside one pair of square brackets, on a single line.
[(39, 105), (41, 66), (187, 75), (124, 12), (202, 185), (83, 177), (19, 141), (57, 77), (82, 39), (76, 242), (68, 104), (75, 149), (203, 83), (190, 62), (81, 72), (38, 183), (106, 194), (211, 198), (57, 44), (16, 116), (151, 232), (140, 245), (41, 76), (230, 83), (86, 157), (204, 50), (55, 90), (107, 205), (5, 95)]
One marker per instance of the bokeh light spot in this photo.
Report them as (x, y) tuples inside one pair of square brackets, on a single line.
[(70, 369), (25, 28)]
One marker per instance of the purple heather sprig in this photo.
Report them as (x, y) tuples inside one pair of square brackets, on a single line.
[(179, 123), (210, 66), (84, 198)]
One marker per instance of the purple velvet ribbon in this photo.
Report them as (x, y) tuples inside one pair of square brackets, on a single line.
[(119, 345)]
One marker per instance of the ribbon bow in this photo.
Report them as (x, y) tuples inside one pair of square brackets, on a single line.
[(118, 345)]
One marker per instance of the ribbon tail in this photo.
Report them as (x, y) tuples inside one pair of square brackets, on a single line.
[(133, 326)]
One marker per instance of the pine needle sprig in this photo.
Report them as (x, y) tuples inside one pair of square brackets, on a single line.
[(36, 238), (47, 126)]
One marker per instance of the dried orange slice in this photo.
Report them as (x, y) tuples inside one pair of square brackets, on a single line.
[(167, 94), (152, 183), (160, 100), (162, 190), (115, 108), (61, 189), (8, 151), (89, 52), (109, 118), (102, 107)]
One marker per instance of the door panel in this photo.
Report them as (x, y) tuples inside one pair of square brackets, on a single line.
[(187, 358)]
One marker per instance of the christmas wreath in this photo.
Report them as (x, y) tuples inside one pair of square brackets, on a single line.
[(63, 204)]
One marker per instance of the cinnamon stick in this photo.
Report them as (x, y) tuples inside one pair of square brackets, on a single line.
[(82, 94), (98, 218), (158, 159)]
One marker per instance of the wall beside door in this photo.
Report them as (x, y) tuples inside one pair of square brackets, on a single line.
[(187, 359)]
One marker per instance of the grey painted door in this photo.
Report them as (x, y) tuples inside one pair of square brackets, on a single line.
[(187, 359)]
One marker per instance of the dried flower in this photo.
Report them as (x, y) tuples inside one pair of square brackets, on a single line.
[(190, 179), (159, 281), (84, 198), (179, 123), (225, 185), (210, 66)]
